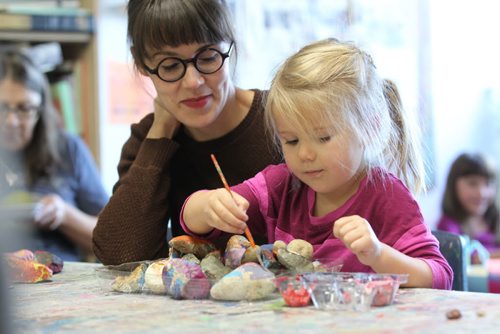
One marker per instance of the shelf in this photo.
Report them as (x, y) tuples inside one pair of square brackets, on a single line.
[(45, 36)]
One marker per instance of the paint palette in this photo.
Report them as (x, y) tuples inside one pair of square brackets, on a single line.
[(293, 290), (352, 291)]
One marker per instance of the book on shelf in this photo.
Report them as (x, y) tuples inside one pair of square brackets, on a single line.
[(47, 19), (65, 98), (8, 5)]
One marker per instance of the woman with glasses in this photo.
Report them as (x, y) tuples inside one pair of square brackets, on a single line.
[(41, 164), (186, 47)]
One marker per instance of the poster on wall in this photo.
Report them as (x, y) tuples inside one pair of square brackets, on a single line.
[(130, 94)]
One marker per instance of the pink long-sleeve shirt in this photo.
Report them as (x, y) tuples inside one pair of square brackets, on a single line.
[(282, 207)]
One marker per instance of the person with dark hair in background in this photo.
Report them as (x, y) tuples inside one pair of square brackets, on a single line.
[(185, 47), (43, 162), (469, 202)]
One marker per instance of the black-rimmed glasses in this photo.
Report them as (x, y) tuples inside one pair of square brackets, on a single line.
[(21, 111), (207, 61)]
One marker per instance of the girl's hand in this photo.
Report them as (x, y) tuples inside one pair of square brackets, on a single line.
[(165, 125), (357, 235), (50, 212), (224, 212)]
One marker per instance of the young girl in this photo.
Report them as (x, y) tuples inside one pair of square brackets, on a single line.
[(329, 111), (469, 205)]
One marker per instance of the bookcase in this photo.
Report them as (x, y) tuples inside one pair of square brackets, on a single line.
[(78, 49)]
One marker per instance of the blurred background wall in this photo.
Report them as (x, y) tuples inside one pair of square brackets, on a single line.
[(443, 55)]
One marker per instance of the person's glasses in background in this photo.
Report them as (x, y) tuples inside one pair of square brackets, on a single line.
[(207, 61), (22, 111)]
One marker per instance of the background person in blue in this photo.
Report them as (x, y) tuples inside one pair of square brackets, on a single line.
[(49, 167)]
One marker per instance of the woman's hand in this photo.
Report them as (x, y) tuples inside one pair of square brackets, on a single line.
[(357, 235), (50, 212), (165, 125)]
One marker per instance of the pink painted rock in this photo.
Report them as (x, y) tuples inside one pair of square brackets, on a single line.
[(185, 280)]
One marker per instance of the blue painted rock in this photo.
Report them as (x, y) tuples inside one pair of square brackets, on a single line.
[(248, 282), (185, 280), (268, 258)]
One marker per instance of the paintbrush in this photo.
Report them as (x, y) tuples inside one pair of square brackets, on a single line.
[(247, 231)]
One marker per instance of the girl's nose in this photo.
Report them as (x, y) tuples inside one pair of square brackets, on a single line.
[(306, 152), (192, 78)]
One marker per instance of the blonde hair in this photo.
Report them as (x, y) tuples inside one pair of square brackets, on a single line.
[(336, 83)]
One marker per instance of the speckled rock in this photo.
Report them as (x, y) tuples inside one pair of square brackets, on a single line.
[(294, 262), (213, 267), (300, 247), (130, 283), (248, 282)]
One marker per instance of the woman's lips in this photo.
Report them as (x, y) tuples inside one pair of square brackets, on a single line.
[(198, 102)]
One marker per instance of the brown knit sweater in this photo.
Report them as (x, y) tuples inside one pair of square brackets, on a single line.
[(157, 175)]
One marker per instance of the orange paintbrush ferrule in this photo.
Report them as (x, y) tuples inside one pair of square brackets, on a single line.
[(221, 175)]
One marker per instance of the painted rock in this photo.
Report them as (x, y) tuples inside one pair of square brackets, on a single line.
[(185, 280), (235, 250), (251, 254), (191, 257), (131, 283), (278, 244), (54, 262), (24, 271), (153, 277), (23, 254), (268, 258), (296, 263), (213, 267), (300, 247), (186, 244), (248, 282)]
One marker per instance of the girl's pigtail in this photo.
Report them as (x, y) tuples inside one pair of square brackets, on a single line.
[(405, 148)]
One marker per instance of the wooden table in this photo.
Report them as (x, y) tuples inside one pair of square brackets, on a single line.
[(75, 302)]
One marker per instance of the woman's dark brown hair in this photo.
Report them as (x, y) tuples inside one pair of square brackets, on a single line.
[(152, 24), (469, 164), (41, 155)]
